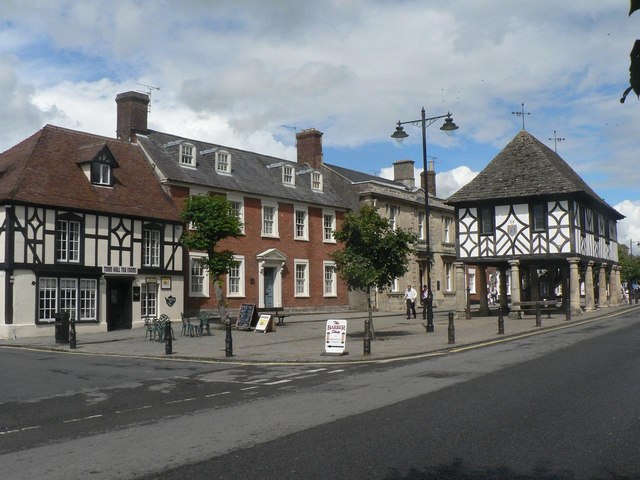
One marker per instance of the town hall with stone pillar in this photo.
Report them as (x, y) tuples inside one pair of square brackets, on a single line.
[(530, 216)]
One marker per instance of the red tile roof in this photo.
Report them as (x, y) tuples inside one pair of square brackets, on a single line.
[(45, 169)]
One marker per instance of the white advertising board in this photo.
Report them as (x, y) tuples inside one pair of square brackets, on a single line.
[(335, 336)]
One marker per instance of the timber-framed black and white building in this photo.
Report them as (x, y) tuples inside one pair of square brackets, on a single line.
[(87, 229), (530, 215)]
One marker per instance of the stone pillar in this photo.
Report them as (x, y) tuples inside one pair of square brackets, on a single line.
[(574, 286), (515, 287), (461, 300), (613, 298), (503, 289), (617, 287), (534, 281), (481, 282), (589, 299), (602, 286)]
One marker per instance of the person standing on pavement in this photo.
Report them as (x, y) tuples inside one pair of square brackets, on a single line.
[(410, 296)]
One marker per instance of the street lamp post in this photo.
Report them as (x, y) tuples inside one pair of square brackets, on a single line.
[(399, 135)]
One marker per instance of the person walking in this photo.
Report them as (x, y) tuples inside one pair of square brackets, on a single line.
[(410, 296)]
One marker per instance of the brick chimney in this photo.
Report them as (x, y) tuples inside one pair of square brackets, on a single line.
[(309, 145), (431, 179), (132, 114), (403, 172)]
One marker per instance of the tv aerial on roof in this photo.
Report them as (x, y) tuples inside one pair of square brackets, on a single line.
[(149, 88)]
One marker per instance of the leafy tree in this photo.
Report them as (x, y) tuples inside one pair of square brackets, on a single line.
[(373, 254), (630, 267), (212, 219)]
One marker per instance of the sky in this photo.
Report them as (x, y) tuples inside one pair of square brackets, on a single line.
[(250, 73)]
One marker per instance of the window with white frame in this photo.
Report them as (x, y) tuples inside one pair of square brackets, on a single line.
[(237, 205), (47, 299), (328, 226), (448, 221), (472, 280), (67, 241), (269, 220), (235, 278), (150, 247), (316, 181), (88, 299), (198, 277), (149, 300), (330, 279), (288, 175), (448, 279), (395, 285), (68, 295), (187, 155), (223, 162), (101, 173), (301, 227), (393, 217), (301, 278), (421, 235)]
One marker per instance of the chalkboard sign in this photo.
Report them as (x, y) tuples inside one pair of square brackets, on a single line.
[(245, 316)]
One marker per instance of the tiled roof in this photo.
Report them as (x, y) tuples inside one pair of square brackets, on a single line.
[(45, 169), (360, 177), (526, 168), (250, 172)]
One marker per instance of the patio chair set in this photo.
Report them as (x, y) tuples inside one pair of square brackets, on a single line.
[(196, 326), (155, 328)]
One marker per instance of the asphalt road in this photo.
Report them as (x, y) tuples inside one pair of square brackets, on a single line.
[(558, 405)]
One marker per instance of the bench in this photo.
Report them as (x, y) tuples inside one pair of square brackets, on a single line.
[(277, 312), (546, 306)]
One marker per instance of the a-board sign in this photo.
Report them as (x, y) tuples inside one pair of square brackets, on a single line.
[(335, 336), (245, 316), (265, 323)]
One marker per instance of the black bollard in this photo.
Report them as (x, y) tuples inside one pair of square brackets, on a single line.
[(452, 330), (367, 337), (500, 321), (228, 341), (72, 331), (538, 315), (168, 340)]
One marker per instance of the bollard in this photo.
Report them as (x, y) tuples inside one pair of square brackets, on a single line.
[(72, 331), (500, 321), (367, 337), (452, 330), (538, 316), (568, 319), (228, 341), (168, 340)]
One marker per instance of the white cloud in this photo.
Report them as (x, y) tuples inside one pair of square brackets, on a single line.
[(234, 71), (629, 227)]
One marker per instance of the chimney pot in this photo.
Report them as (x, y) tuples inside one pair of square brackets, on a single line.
[(132, 114), (309, 147)]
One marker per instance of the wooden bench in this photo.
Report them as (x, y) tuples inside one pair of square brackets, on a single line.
[(546, 306), (277, 312)]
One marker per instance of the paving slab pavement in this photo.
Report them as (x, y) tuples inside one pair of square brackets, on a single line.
[(301, 339)]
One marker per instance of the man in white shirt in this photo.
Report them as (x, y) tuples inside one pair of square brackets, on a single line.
[(410, 296)]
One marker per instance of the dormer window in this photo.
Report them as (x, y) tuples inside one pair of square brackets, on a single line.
[(223, 162), (102, 168), (288, 175), (316, 181), (187, 155), (101, 174)]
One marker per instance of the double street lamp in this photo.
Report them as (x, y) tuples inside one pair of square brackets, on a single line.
[(399, 135)]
